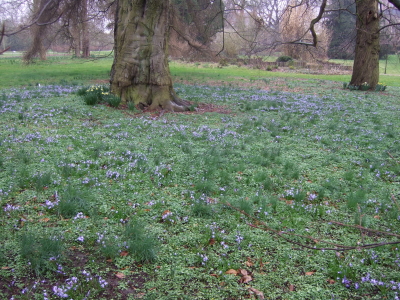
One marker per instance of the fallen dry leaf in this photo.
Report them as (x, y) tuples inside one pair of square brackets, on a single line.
[(120, 275), (166, 212), (243, 272), (245, 279), (330, 281), (249, 263), (211, 241), (124, 253), (5, 268), (44, 220), (258, 293), (310, 273), (291, 287), (231, 272)]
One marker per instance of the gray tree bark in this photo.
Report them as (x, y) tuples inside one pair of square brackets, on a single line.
[(140, 71)]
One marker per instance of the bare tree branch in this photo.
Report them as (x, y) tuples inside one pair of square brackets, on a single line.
[(396, 3), (3, 28), (336, 247)]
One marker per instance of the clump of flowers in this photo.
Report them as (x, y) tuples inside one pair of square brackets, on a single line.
[(380, 87), (96, 94), (365, 86)]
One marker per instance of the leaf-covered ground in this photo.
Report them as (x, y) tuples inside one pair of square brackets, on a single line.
[(111, 204)]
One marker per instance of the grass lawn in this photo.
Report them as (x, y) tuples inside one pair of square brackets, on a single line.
[(62, 70), (244, 202)]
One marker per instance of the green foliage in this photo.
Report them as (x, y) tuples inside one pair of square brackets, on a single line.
[(380, 87), (223, 62), (245, 205), (284, 58), (23, 177), (293, 161), (201, 209), (91, 99), (74, 200), (356, 198), (42, 181), (131, 106), (113, 100), (96, 94), (40, 253), (206, 187), (82, 91), (110, 249), (142, 245), (24, 156)]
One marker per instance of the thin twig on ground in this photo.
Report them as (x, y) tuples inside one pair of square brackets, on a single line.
[(337, 247)]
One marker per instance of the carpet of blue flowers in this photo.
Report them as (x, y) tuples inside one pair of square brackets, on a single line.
[(107, 203)]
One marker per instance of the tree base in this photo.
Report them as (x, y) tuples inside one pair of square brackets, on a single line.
[(152, 97)]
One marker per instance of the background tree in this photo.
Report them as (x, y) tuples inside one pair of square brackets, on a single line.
[(54, 21), (251, 27), (295, 23), (194, 24), (341, 19), (44, 13), (76, 22)]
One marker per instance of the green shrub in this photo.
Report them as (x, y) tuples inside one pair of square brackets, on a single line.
[(223, 62), (284, 58)]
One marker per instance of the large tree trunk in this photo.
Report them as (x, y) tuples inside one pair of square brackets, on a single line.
[(366, 60), (140, 72)]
